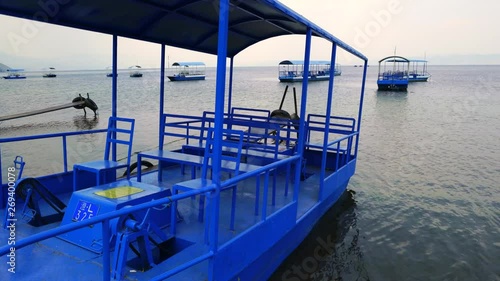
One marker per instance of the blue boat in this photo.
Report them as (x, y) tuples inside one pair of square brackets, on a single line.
[(393, 74), (236, 190), (293, 70), (15, 74), (418, 71), (109, 72), (188, 71)]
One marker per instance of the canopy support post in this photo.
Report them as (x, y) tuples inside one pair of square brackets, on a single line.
[(162, 94), (303, 103), (230, 93), (220, 85), (114, 94)]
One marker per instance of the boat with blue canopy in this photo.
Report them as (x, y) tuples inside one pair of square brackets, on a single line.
[(293, 70), (418, 71), (15, 74), (187, 71), (232, 190), (393, 73)]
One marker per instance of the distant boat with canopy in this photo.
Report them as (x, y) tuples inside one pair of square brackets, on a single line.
[(109, 72), (293, 70), (15, 74), (50, 73), (135, 71), (393, 74), (188, 71), (418, 71)]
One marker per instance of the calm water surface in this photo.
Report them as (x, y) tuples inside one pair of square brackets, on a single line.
[(424, 203)]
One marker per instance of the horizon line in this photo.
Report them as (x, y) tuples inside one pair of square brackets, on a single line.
[(240, 66)]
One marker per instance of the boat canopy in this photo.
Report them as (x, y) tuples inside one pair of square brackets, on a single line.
[(394, 59), (301, 62), (188, 64), (166, 22)]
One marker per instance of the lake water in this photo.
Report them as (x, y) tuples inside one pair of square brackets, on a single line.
[(424, 203)]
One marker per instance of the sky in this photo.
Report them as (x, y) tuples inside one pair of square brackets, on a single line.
[(445, 32)]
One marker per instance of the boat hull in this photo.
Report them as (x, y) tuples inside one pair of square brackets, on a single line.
[(14, 78), (186, 78), (418, 78), (392, 85)]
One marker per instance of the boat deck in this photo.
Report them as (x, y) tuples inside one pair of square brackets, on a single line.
[(46, 257), (263, 210)]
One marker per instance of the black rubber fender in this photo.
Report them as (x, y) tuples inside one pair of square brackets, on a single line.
[(280, 113), (78, 99), (133, 166), (91, 104), (295, 120)]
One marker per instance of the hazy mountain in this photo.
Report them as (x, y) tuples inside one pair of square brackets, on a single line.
[(3, 67)]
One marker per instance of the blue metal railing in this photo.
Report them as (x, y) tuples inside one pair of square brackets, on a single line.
[(105, 219), (185, 123), (336, 147), (342, 155), (227, 183), (62, 135)]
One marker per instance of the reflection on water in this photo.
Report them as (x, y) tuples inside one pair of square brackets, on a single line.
[(86, 123), (331, 251), (390, 95), (37, 126), (388, 103)]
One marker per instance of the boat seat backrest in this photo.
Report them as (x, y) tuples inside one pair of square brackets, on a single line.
[(120, 133), (231, 140)]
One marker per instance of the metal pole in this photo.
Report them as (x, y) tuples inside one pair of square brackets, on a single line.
[(114, 78), (114, 95), (327, 119), (303, 104), (361, 105), (220, 86), (230, 92), (162, 96), (106, 263)]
